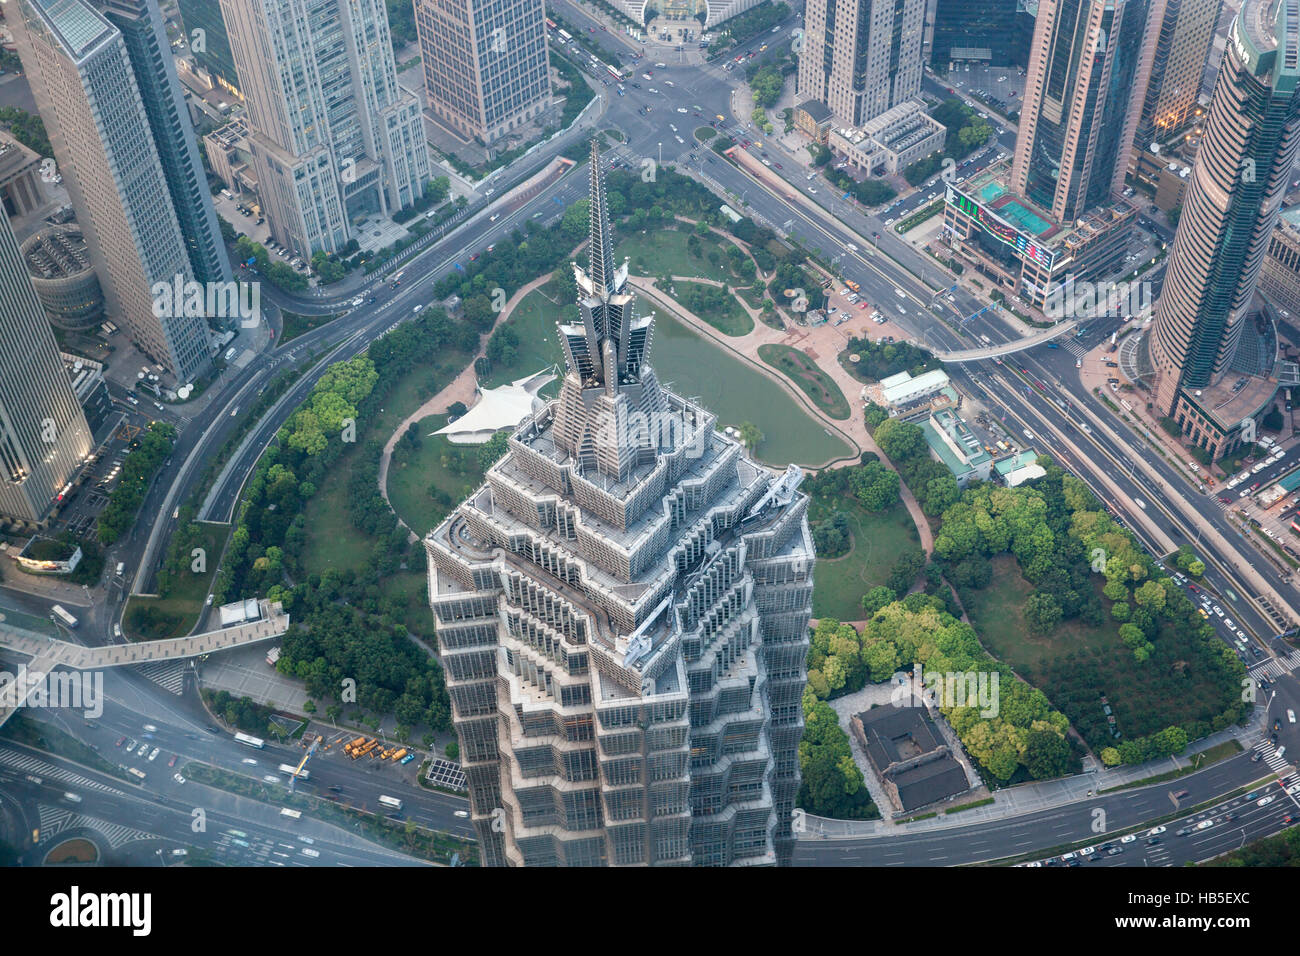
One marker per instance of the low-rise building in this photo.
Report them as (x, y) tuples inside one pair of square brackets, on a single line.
[(20, 189), (953, 443), (227, 150), (893, 140), (1020, 246), (813, 119), (1017, 469), (1279, 278), (902, 394)]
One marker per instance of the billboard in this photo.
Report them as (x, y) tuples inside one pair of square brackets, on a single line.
[(1026, 246)]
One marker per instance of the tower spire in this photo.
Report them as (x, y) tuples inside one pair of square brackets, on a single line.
[(602, 243)]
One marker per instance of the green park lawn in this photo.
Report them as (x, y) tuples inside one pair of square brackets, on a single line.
[(295, 324), (878, 539), (180, 606), (814, 382), (453, 469), (715, 305)]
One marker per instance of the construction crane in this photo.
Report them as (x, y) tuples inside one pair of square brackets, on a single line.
[(293, 778)]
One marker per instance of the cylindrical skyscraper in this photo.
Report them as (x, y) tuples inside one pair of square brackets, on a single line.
[(1229, 210)]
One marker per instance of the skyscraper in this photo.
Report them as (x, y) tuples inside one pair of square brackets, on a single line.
[(981, 31), (1168, 86), (142, 28), (44, 438), (212, 52), (623, 617), (333, 135), (861, 57), (1082, 63), (485, 64), (1230, 207), (86, 88)]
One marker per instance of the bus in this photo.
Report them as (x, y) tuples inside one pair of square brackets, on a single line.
[(550, 24), (289, 769), (614, 72), (1295, 528), (248, 741), (397, 279), (64, 616), (291, 814), (135, 772), (565, 36), (391, 802)]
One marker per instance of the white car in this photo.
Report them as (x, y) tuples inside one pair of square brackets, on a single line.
[(1290, 715), (1263, 801), (1131, 838), (153, 754), (250, 761), (1088, 851), (178, 778), (1155, 831), (1218, 611), (1205, 824), (462, 813), (682, 109), (144, 748)]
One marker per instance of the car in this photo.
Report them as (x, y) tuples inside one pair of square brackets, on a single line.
[(1205, 824), (1184, 831), (652, 90), (1116, 850), (1128, 838), (1218, 611), (1068, 856), (473, 257), (1290, 715), (178, 778), (491, 248), (172, 761), (144, 748), (1154, 841), (250, 761), (1087, 851), (153, 754), (1029, 435), (1288, 819), (1263, 801), (462, 813), (682, 109), (1256, 757), (1182, 793)]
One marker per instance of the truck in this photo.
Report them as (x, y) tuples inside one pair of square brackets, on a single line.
[(853, 285)]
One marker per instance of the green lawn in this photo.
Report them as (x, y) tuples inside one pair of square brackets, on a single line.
[(295, 324), (534, 320), (437, 462), (996, 615), (803, 371), (705, 133), (665, 252), (715, 305), (185, 596), (878, 539)]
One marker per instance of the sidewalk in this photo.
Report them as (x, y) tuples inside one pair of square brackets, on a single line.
[(1032, 797)]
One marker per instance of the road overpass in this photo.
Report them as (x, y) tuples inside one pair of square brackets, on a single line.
[(48, 653)]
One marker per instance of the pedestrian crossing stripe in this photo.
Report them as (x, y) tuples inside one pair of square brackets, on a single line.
[(34, 765)]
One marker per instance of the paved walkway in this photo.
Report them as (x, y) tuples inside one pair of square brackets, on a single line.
[(463, 388), (1032, 797)]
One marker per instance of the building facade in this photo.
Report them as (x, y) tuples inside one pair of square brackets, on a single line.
[(332, 135), (893, 140), (141, 24), (485, 63), (20, 189), (211, 47), (973, 31), (1279, 278), (1230, 208), (861, 57), (1179, 37), (1083, 61), (84, 83), (623, 614), (44, 437)]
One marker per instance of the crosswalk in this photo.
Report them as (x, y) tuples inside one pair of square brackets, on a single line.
[(1275, 667), (169, 675), (1076, 348), (55, 820), (28, 763), (1274, 760)]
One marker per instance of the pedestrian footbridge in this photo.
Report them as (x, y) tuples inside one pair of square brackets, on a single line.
[(48, 653)]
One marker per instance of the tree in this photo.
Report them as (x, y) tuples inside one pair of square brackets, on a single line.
[(577, 220), (478, 312), (900, 440), (452, 750), (905, 570), (878, 597), (750, 436), (1047, 754), (1042, 613)]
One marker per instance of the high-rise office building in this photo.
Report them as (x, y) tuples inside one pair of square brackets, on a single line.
[(861, 57), (1230, 207), (44, 437), (333, 135), (142, 28), (622, 611), (1179, 36), (1071, 153), (212, 49), (973, 31), (85, 85), (485, 64)]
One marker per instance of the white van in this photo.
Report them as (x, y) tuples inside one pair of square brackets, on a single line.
[(121, 567)]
